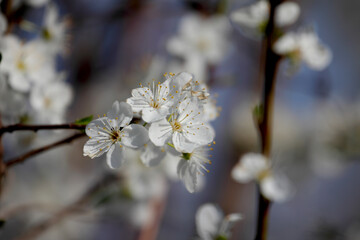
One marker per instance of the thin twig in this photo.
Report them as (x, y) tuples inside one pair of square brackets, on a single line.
[(265, 126), (25, 156), (22, 127), (37, 230)]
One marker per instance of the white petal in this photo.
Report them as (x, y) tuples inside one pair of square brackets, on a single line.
[(208, 220), (187, 172), (200, 134), (228, 223), (181, 79), (120, 113), (134, 136), (182, 144), (94, 148), (251, 16), (152, 155), (115, 156), (19, 82), (150, 115), (276, 188), (315, 54), (286, 14), (249, 167), (160, 132), (3, 23), (96, 128), (286, 44)]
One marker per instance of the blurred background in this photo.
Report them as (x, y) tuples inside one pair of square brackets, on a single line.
[(114, 45)]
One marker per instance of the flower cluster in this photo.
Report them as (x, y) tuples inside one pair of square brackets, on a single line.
[(32, 89), (211, 223), (253, 166), (173, 112), (201, 41), (303, 45)]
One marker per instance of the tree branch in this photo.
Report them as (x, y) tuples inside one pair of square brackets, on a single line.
[(71, 209), (265, 125), (25, 156), (22, 127)]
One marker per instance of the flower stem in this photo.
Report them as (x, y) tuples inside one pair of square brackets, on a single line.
[(270, 65)]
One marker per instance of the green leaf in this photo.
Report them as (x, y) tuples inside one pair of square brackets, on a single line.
[(85, 120)]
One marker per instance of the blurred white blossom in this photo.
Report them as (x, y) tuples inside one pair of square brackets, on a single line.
[(254, 18), (211, 223), (304, 46), (25, 64), (253, 166)]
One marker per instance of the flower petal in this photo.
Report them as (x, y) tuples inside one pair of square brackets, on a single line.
[(134, 136), (121, 114), (95, 148), (182, 144), (208, 219), (115, 156), (152, 155), (187, 172), (160, 132), (249, 167), (276, 188), (287, 13)]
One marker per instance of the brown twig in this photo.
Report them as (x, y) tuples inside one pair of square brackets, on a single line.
[(34, 152), (22, 127), (71, 209), (265, 125)]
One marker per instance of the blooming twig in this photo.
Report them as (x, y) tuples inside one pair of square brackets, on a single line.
[(22, 127), (265, 123), (37, 230)]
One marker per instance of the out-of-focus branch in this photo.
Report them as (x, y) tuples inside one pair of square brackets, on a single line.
[(74, 208), (150, 230), (22, 127), (270, 66), (25, 156)]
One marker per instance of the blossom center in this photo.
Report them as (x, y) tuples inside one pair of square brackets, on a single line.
[(176, 126), (115, 136), (46, 34), (47, 102), (155, 104), (21, 65)]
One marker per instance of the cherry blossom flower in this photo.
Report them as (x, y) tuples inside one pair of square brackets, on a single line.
[(191, 165), (202, 38), (254, 18), (152, 155), (211, 223), (51, 100), (112, 133), (53, 32), (185, 127), (155, 100), (25, 63), (253, 166), (304, 46)]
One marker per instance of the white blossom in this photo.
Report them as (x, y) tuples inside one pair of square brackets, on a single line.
[(51, 100), (185, 127), (253, 166), (211, 223), (304, 46), (25, 63), (191, 165), (53, 32), (155, 100), (112, 133), (254, 18), (202, 38)]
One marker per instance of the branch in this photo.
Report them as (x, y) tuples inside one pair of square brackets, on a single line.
[(22, 127), (23, 157), (37, 230), (265, 126)]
